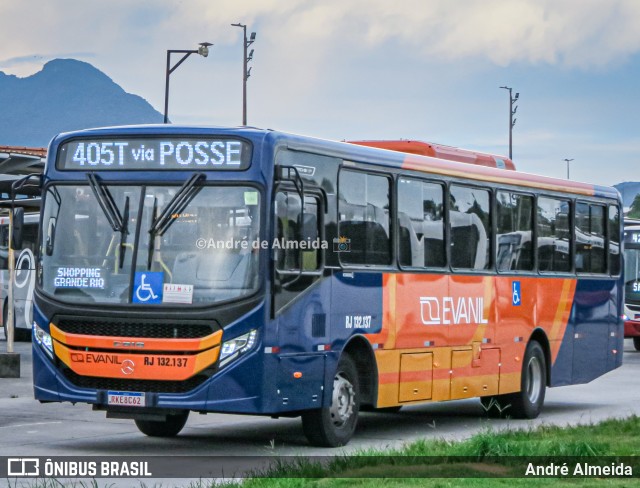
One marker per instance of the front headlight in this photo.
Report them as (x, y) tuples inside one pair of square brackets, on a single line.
[(234, 348), (43, 339)]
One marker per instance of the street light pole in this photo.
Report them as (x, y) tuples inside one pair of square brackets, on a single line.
[(203, 51), (512, 121), (567, 161), (246, 72)]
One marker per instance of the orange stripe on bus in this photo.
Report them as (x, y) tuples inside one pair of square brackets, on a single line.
[(123, 365), (144, 343), (561, 318)]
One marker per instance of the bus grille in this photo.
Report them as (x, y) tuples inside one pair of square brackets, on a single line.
[(158, 330), (147, 386)]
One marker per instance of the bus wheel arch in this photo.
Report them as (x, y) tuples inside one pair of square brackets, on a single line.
[(359, 349), (540, 337)]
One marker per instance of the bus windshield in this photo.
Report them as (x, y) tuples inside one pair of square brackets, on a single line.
[(203, 252), (632, 273)]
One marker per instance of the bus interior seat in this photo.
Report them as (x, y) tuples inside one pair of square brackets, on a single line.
[(411, 247), (369, 242)]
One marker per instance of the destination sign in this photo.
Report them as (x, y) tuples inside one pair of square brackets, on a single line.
[(202, 153), (632, 236)]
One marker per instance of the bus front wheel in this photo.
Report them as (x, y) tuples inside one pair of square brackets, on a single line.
[(333, 426), (170, 427)]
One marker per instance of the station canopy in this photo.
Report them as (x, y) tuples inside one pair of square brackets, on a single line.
[(16, 163)]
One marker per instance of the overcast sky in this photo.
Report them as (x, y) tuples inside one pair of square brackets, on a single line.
[(372, 69)]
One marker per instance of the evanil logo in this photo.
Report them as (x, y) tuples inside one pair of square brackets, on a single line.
[(450, 310)]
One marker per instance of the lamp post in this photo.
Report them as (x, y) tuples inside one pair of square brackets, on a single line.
[(203, 51), (512, 121), (246, 72), (567, 161)]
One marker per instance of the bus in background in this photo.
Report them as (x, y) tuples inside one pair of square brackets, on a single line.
[(441, 151), (24, 278), (632, 284), (250, 271)]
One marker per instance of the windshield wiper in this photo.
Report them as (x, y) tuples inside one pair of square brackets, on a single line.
[(108, 205), (124, 232), (176, 205)]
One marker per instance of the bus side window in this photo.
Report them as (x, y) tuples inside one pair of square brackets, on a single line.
[(554, 252), (420, 224), (614, 240), (514, 250), (288, 233), (590, 226), (364, 223), (470, 227)]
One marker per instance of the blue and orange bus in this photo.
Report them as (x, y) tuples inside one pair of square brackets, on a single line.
[(250, 271)]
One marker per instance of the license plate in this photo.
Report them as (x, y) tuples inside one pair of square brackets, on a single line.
[(126, 398)]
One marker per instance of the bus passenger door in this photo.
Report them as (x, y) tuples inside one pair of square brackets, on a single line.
[(590, 318)]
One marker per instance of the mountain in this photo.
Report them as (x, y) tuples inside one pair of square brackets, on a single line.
[(628, 190), (66, 95)]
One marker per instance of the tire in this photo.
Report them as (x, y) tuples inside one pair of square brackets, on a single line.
[(167, 428), (527, 403), (334, 426), (636, 343)]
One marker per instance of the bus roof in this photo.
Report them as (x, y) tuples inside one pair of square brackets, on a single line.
[(353, 153)]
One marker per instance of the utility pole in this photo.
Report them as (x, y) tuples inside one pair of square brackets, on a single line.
[(246, 72), (567, 161), (512, 121), (203, 51)]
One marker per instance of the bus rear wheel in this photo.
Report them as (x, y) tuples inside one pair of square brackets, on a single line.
[(527, 403), (333, 426), (636, 343), (170, 427)]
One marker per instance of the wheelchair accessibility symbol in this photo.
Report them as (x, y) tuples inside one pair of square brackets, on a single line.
[(147, 287), (516, 298)]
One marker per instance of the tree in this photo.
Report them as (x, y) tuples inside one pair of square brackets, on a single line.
[(634, 210)]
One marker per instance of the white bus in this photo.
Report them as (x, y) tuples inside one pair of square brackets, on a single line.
[(24, 279)]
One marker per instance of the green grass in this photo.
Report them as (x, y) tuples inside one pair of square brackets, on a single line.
[(506, 451)]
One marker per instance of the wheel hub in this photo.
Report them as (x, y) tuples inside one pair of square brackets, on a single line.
[(534, 379), (343, 400)]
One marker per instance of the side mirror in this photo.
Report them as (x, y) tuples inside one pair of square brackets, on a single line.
[(309, 226), (18, 225)]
